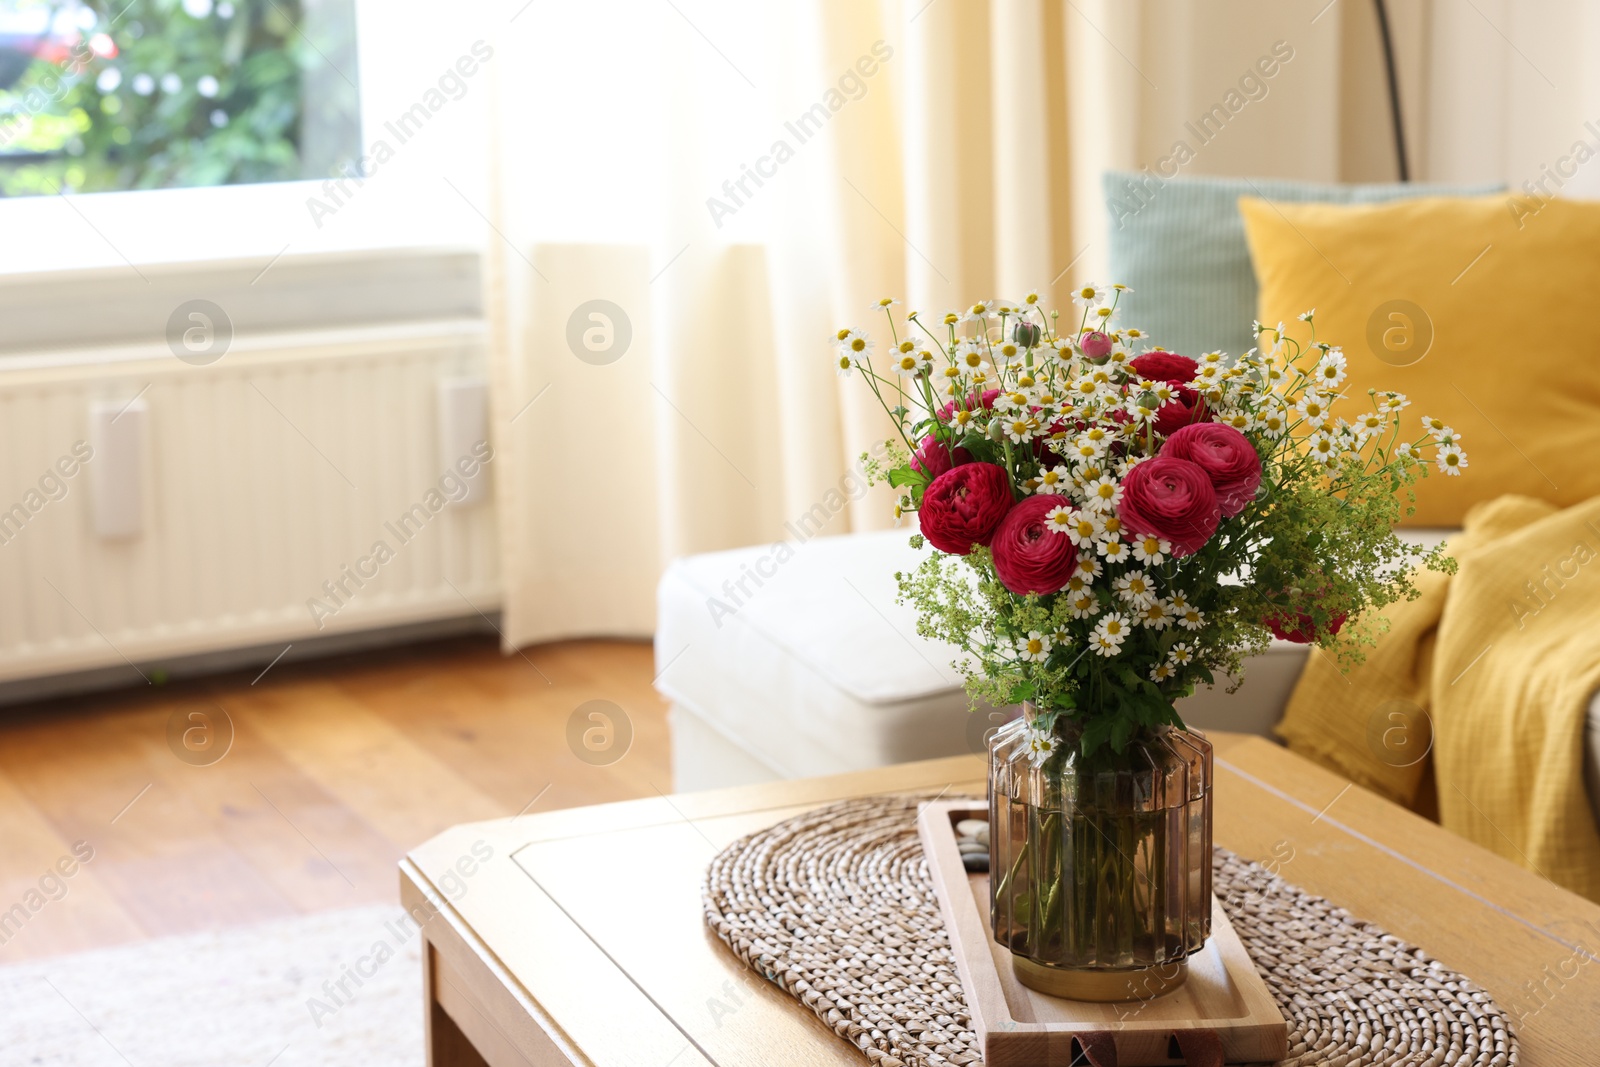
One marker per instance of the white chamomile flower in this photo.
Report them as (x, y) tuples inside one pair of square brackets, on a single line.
[(1008, 350), (843, 336), (1156, 615), (962, 419), (980, 312), (1052, 482), (1273, 422), (1077, 584), (1011, 401), (846, 365), (1088, 568), (1391, 403), (1089, 296), (1406, 451), (1314, 406), (1097, 437), (1084, 528), (1304, 316), (1109, 634), (1041, 743), (1105, 315), (1148, 548), (971, 356), (1088, 389), (1135, 588), (1190, 618), (1082, 450), (1180, 654), (1103, 494), (1369, 424), (1083, 605), (1020, 427), (1161, 672), (858, 345), (1035, 648), (1111, 528), (1451, 459), (1323, 448), (884, 304), (1031, 298), (1115, 551), (1435, 426), (1330, 371), (1060, 520), (913, 363), (1134, 336)]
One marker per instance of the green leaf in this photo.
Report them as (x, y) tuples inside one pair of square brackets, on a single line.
[(906, 476)]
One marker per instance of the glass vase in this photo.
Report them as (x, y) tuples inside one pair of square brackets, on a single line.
[(1100, 868)]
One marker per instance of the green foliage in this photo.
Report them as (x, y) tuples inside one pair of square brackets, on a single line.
[(274, 87)]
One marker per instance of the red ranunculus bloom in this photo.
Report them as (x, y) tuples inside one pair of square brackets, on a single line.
[(934, 457), (1185, 407), (964, 505), (1223, 453), (1028, 556), (1161, 366), (1304, 630), (1172, 499)]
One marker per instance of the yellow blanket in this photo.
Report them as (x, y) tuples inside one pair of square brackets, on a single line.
[(1503, 659)]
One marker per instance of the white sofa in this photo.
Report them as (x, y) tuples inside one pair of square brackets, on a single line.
[(790, 661)]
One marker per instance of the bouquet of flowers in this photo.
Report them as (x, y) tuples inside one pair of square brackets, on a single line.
[(1115, 524)]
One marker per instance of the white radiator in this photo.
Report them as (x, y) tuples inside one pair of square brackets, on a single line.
[(264, 482)]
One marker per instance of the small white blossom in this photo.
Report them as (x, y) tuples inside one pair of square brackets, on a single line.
[(1035, 648), (1083, 606), (1150, 549), (1451, 459), (1041, 744), (1135, 588), (1109, 634)]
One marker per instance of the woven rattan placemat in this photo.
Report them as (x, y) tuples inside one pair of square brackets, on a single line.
[(836, 907)]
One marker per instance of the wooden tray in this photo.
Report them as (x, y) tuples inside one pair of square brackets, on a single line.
[(1018, 1027)]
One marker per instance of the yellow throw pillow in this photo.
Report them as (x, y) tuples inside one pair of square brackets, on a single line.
[(1479, 309)]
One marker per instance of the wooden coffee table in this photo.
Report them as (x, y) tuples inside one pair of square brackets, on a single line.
[(576, 936)]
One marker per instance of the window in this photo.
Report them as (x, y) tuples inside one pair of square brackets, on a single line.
[(108, 95)]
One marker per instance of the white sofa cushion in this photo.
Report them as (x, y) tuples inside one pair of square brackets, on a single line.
[(800, 655)]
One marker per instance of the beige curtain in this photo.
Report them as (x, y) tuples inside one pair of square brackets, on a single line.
[(939, 151)]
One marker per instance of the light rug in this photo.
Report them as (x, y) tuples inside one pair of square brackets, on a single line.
[(248, 997)]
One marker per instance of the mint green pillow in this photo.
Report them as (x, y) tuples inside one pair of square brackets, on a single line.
[(1179, 245)]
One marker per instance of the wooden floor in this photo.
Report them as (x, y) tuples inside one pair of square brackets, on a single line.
[(336, 768)]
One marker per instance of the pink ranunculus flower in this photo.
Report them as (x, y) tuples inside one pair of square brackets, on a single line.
[(963, 506), (1172, 499), (1227, 457), (933, 457), (1162, 366), (1029, 557)]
